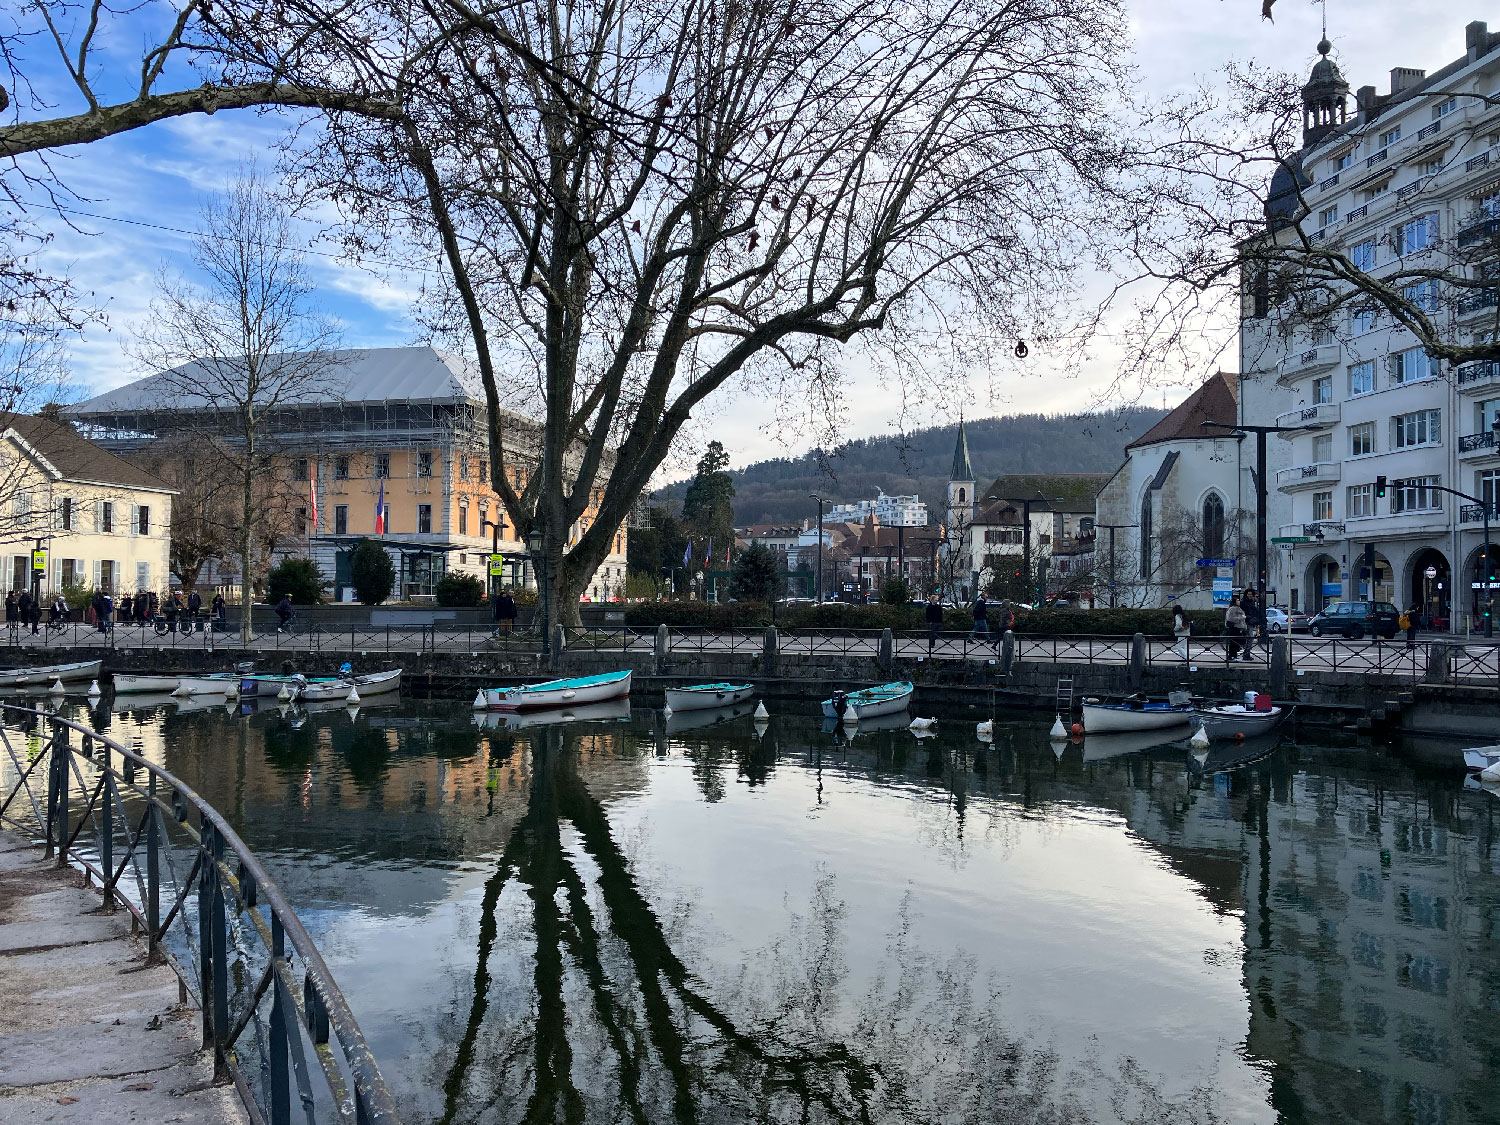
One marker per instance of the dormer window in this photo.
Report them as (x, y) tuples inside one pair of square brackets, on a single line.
[(1389, 138)]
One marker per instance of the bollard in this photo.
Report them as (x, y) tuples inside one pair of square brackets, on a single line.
[(559, 643), (768, 652), (1281, 661), (1137, 661), (663, 649), (1437, 663), (1007, 653), (887, 650)]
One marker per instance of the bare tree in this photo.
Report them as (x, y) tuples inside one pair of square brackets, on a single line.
[(234, 348)]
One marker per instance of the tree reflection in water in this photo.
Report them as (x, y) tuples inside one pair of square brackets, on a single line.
[(613, 1026)]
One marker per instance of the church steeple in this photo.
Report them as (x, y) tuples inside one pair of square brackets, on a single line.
[(962, 470), (1324, 98), (961, 499)]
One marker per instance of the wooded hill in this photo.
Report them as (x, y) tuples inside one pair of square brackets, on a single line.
[(776, 491)]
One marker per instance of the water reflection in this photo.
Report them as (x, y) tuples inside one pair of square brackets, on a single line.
[(769, 921)]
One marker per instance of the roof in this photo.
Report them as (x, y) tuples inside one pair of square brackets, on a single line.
[(1217, 400), (888, 536), (1163, 471), (356, 376), (1059, 492), (74, 457), (962, 469)]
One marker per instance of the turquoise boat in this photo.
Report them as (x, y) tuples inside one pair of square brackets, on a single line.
[(574, 691)]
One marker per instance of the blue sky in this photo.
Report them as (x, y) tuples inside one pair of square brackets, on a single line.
[(156, 178)]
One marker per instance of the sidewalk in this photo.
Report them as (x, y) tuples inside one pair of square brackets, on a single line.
[(88, 1031)]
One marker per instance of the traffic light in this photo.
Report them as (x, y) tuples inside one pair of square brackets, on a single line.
[(1380, 488)]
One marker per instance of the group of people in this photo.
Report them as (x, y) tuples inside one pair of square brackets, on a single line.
[(1244, 628), (503, 606), (103, 612), (980, 612)]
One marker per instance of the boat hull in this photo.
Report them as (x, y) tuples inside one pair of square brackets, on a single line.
[(212, 684), (1105, 718), (558, 693), (51, 673), (1481, 757), (699, 718), (702, 697), (608, 710), (125, 685), (889, 702), (1235, 721), (373, 683)]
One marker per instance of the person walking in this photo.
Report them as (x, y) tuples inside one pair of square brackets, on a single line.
[(218, 609), (106, 612), (194, 607), (507, 610), (127, 608), (23, 604), (284, 612), (1182, 629), (934, 616), (59, 609), (1255, 624), (34, 614), (1234, 629), (12, 611), (1408, 621), (170, 611), (981, 619)]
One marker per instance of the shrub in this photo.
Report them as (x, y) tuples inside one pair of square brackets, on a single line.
[(756, 576), (371, 573), (300, 578), (524, 595), (459, 590), (895, 591)]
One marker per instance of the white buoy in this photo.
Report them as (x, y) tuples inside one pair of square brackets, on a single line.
[(57, 688), (284, 694), (94, 692), (922, 724), (1199, 740), (1490, 772), (667, 711), (761, 726), (353, 697), (352, 710), (479, 703), (985, 729), (1058, 730), (233, 691), (181, 689), (1059, 746), (760, 710), (851, 719)]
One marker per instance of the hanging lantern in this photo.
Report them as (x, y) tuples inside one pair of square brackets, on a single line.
[(1022, 351)]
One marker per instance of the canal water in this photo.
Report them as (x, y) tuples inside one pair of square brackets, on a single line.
[(632, 919)]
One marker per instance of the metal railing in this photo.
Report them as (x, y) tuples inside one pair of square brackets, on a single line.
[(207, 907)]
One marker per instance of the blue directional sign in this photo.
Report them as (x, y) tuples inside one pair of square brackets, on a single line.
[(1215, 562)]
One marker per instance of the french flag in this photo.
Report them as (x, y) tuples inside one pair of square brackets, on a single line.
[(380, 512)]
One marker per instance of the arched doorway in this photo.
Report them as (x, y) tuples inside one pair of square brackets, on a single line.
[(1324, 583), (1383, 588), (1474, 595), (1430, 581)]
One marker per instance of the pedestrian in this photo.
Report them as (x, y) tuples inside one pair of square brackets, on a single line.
[(170, 610), (35, 616), (153, 604), (1007, 617), (1408, 621), (1255, 623), (23, 604), (127, 608), (1182, 629), (143, 607), (981, 619), (1234, 629), (59, 609), (284, 612), (106, 612), (12, 611), (507, 610), (218, 608), (934, 615)]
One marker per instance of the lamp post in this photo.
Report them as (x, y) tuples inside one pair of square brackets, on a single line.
[(1026, 529), (534, 545), (1113, 576), (821, 501), (496, 530)]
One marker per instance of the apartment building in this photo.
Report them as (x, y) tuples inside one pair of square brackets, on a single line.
[(1407, 177), (891, 511), (396, 449)]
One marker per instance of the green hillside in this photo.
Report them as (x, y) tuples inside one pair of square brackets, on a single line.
[(776, 491)]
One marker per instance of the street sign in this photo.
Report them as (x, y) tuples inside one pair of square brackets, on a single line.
[(39, 559), (1223, 584), (497, 566), (1431, 572), (1287, 540), (1215, 562)]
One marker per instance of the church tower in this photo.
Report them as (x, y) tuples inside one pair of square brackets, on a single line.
[(961, 498), (1324, 98)]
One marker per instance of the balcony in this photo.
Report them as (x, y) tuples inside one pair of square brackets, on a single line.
[(1313, 361), (1408, 191), (1483, 226), (1474, 513), (1429, 130), (1377, 158), (1481, 376), (1307, 476), (1478, 303), (1477, 445), (1331, 182), (1357, 214), (1318, 417)]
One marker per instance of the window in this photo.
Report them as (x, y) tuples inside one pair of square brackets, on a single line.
[(1390, 137), (1419, 234), (341, 468), (424, 519), (1489, 207), (1260, 294), (463, 519), (1213, 526), (1486, 414), (1323, 389), (1412, 365), (1360, 501), (299, 518), (65, 514), (1423, 295), (1343, 161), (143, 576), (107, 576), (424, 463), (106, 516), (72, 573), (1415, 494), (962, 496), (463, 466), (299, 468), (1362, 378), (1328, 216), (341, 519), (1145, 533), (1487, 486), (1362, 321), (1363, 255), (143, 520), (1432, 167), (1421, 427), (1322, 505), (1361, 439), (382, 465), (1377, 191), (484, 471), (1443, 109)]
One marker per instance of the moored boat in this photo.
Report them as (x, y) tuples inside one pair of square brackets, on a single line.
[(867, 703), (1137, 712), (695, 697), (51, 673), (607, 710), (699, 717), (214, 683), (127, 684), (1235, 720), (1098, 747), (572, 692), (1481, 757), (338, 687)]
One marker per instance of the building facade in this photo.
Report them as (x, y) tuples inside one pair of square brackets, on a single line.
[(402, 440), (892, 511), (103, 523), (1408, 178)]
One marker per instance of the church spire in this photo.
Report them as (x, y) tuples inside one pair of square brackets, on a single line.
[(962, 469), (1325, 97)]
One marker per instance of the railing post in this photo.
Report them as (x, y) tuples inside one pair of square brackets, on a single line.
[(887, 650), (153, 866), (51, 783), (1007, 652), (1281, 660), (205, 934), (1137, 660), (1437, 663), (60, 752), (769, 651), (281, 1087)]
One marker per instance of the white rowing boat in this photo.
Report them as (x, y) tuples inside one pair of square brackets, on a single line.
[(125, 684), (870, 702), (1235, 720), (608, 710), (697, 697), (679, 721), (1137, 713), (338, 687), (572, 692), (1481, 757), (51, 673)]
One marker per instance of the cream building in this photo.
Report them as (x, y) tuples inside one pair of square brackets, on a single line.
[(103, 522)]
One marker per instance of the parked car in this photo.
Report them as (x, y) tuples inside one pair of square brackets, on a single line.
[(1277, 619), (1356, 619)]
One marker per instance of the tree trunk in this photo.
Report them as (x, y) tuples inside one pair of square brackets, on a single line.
[(247, 499)]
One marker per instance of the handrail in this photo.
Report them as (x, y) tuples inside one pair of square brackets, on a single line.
[(316, 1008)]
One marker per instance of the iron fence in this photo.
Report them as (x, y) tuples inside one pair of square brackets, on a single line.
[(1470, 663), (270, 1009)]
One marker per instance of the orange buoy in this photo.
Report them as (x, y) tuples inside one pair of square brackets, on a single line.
[(1239, 736), (1077, 728)]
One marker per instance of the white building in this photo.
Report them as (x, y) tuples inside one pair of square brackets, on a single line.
[(889, 511), (1410, 177)]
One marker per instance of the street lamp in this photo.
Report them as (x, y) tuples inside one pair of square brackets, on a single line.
[(534, 544), (821, 501), (497, 529), (1026, 528)]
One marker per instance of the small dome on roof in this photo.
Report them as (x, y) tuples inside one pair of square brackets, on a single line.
[(1324, 97)]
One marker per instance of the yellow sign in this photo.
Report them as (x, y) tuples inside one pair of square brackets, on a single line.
[(497, 566), (39, 559)]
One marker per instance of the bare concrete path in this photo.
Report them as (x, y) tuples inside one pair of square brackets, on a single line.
[(88, 1031)]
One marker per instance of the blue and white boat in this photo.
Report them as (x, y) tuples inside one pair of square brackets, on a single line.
[(572, 692), (1137, 713), (867, 703), (696, 697)]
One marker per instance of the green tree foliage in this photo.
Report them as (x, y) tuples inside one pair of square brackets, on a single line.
[(645, 584), (300, 578), (708, 503), (650, 549), (756, 576), (895, 591), (371, 573), (459, 590)]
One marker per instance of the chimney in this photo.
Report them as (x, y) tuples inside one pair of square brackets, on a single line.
[(1405, 77), (1476, 38)]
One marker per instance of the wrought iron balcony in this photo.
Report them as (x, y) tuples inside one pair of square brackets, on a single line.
[(1477, 444), (1409, 190), (1476, 162), (1331, 182), (1377, 158), (1484, 299), (1327, 527), (1307, 476), (1481, 228), (1474, 513), (1357, 214), (1428, 130), (1479, 376), (1317, 417)]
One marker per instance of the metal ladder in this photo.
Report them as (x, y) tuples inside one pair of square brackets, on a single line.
[(1065, 695)]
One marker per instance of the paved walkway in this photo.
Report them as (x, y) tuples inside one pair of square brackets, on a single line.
[(88, 1031)]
